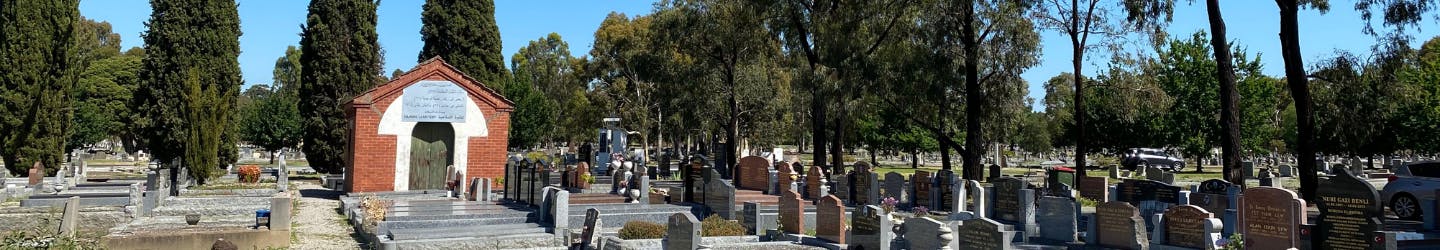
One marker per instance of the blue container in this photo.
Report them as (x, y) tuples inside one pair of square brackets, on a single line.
[(262, 218)]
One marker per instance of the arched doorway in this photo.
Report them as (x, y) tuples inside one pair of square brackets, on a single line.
[(431, 146)]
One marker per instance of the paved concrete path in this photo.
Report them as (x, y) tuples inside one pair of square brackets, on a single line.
[(318, 224)]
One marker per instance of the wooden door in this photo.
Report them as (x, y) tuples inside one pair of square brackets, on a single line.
[(430, 153)]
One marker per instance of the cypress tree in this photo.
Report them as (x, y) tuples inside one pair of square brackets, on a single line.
[(190, 78), (464, 33), (340, 57), (38, 44)]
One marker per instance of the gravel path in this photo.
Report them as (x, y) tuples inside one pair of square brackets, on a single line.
[(318, 225)]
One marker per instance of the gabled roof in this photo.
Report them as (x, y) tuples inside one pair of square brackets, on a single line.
[(434, 68)]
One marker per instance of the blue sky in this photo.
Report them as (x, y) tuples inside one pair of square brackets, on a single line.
[(271, 25)]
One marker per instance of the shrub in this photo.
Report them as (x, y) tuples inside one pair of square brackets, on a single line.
[(588, 179), (642, 230), (716, 226), (1085, 202), (249, 173)]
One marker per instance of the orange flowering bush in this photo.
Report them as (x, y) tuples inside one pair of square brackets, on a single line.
[(249, 174)]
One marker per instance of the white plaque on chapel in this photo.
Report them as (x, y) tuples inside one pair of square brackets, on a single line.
[(434, 101)]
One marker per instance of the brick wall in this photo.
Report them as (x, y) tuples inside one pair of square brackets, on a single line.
[(372, 163)]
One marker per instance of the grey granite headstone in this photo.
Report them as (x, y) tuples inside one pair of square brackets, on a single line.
[(560, 211), (1115, 171), (983, 234), (280, 211), (870, 228), (1287, 171), (994, 171), (752, 220), (282, 176), (1154, 173), (927, 233), (1057, 219), (70, 219), (683, 232), (474, 190), (895, 186), (720, 197), (980, 202)]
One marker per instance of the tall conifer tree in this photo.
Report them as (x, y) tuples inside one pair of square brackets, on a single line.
[(464, 33), (38, 46), (189, 81), (340, 57)]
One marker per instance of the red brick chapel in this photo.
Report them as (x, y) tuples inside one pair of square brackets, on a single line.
[(406, 132)]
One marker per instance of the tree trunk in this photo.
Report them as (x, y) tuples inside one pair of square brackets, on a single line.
[(1229, 97), (817, 120), (837, 147), (974, 147), (1079, 106), (1300, 92), (732, 130), (914, 158)]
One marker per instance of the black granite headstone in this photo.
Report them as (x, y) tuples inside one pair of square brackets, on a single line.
[(1350, 213)]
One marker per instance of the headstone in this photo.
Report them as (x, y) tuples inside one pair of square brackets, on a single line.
[(830, 219), (841, 183), (920, 182), (871, 228), (683, 232), (1006, 205), (864, 187), (1154, 173), (752, 220), (473, 193), (1395, 163), (980, 202), (282, 175), (943, 190), (895, 187), (37, 174), (1350, 213), (693, 179), (1059, 183), (1118, 225), (815, 183), (792, 213), (1115, 171), (558, 209), (71, 218), (1247, 169), (720, 197), (927, 233), (1151, 197), (1093, 188), (1287, 171), (984, 234), (786, 179), (1212, 195), (754, 173), (485, 189), (280, 211), (1057, 219), (1167, 178), (591, 233), (1270, 218), (1188, 226), (994, 171)]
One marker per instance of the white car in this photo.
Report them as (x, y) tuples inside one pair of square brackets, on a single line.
[(1411, 183)]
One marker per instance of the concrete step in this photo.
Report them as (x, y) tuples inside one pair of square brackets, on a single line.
[(481, 231), (516, 241), (384, 227), (409, 216)]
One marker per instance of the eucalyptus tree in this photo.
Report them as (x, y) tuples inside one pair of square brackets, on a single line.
[(1079, 19), (1299, 84)]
